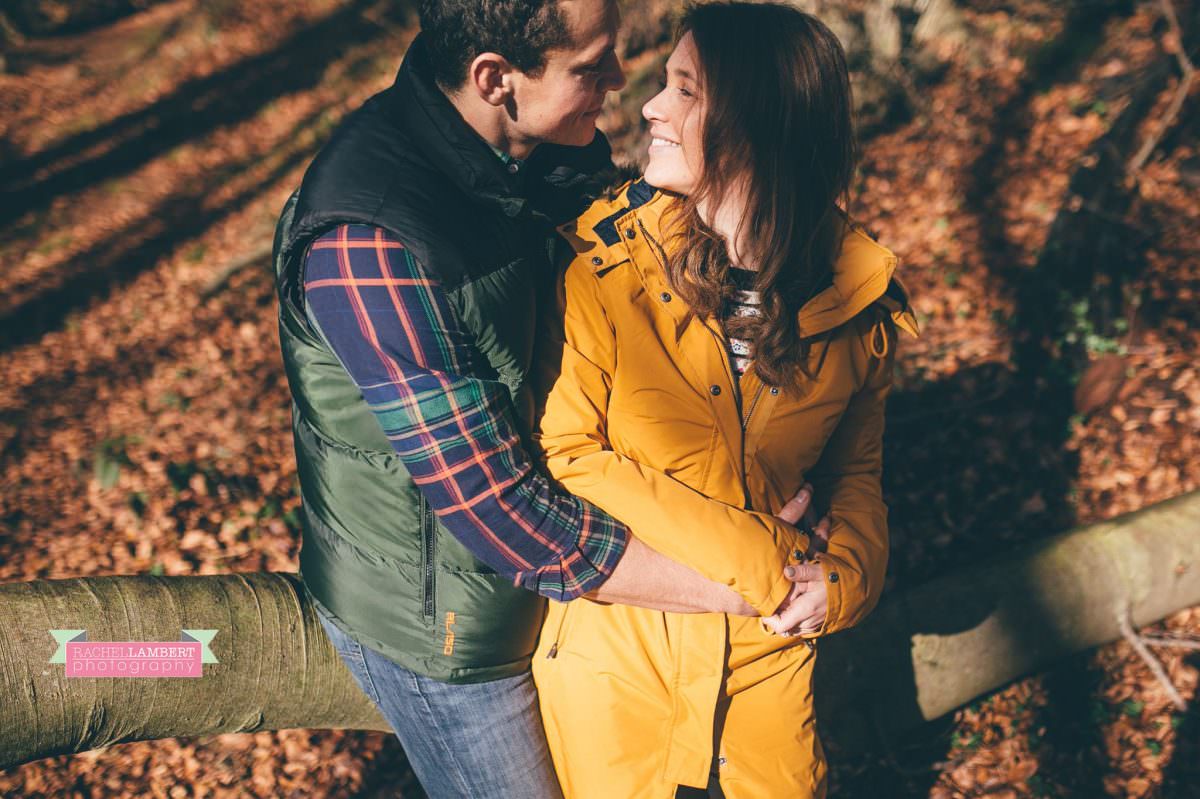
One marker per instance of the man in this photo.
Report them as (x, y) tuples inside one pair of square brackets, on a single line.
[(412, 265)]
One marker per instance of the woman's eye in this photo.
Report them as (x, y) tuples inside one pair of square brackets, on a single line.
[(663, 85)]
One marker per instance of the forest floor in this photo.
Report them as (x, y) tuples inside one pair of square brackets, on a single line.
[(144, 414)]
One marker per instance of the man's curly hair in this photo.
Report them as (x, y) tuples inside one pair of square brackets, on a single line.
[(520, 30)]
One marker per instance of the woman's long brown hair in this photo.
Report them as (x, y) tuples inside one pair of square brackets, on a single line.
[(778, 124)]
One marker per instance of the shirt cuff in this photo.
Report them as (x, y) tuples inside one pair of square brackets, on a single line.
[(585, 567)]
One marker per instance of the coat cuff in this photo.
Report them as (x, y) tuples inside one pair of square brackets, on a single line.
[(792, 546), (841, 584)]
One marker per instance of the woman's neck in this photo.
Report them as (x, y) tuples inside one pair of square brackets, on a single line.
[(725, 222)]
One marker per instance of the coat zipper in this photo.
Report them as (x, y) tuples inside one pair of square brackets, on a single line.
[(750, 408), (662, 256), (427, 557)]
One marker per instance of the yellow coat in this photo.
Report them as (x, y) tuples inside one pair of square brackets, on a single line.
[(657, 431)]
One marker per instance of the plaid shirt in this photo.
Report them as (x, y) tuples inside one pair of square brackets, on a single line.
[(451, 421)]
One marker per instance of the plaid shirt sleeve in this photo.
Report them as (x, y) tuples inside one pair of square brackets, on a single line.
[(451, 421)]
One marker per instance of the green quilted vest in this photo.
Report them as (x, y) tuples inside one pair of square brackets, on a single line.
[(373, 554)]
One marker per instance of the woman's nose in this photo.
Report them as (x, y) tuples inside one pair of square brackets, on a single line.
[(650, 111)]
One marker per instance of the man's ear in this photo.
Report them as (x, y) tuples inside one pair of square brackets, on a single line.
[(489, 75)]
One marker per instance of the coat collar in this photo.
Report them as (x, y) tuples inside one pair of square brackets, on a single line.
[(863, 274)]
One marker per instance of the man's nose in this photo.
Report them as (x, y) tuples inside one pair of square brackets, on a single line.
[(616, 76)]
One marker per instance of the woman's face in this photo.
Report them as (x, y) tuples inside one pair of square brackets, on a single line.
[(676, 116)]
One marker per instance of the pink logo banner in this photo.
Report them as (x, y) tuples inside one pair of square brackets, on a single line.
[(84, 658)]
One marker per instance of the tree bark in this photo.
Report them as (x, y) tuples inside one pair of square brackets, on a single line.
[(276, 668), (919, 656)]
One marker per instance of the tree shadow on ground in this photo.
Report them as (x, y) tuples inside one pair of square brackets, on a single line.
[(1071, 749), (194, 109), (389, 776), (1181, 779), (123, 255), (138, 245)]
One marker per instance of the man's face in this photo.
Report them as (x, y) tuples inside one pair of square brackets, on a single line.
[(562, 104)]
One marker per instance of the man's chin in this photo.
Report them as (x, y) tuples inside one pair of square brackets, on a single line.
[(581, 137)]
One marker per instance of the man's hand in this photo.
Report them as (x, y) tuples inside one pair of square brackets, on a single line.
[(805, 607)]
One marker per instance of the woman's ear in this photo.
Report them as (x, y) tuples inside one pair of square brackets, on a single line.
[(489, 75)]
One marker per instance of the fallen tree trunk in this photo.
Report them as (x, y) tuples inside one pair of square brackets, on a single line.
[(921, 654), (276, 669), (932, 649)]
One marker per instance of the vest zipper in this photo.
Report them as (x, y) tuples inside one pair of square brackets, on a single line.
[(428, 533)]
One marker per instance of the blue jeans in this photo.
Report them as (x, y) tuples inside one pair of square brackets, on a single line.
[(463, 741)]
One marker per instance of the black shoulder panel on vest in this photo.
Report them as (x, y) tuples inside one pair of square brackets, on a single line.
[(370, 174)]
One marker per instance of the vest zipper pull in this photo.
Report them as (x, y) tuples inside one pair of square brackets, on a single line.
[(553, 653)]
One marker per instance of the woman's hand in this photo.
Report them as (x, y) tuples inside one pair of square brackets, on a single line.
[(804, 609), (799, 512)]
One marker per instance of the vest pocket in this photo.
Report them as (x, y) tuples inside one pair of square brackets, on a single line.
[(428, 556)]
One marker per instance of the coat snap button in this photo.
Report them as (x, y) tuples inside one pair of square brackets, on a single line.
[(798, 555), (774, 390), (833, 577), (513, 167), (721, 761), (597, 260), (714, 390), (629, 233), (665, 296)]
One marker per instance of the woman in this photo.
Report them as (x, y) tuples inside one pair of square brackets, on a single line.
[(727, 336)]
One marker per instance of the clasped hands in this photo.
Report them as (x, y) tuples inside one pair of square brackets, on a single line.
[(804, 609)]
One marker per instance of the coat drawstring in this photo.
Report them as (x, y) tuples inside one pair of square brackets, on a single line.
[(879, 330)]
